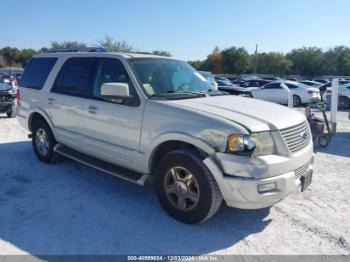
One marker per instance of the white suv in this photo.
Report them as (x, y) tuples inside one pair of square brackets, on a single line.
[(147, 118)]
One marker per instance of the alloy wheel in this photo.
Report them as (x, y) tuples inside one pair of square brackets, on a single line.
[(181, 188)]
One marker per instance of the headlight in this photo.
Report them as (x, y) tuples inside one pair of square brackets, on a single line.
[(13, 91), (258, 144), (265, 143), (240, 144)]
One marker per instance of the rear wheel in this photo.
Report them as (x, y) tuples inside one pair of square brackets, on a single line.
[(43, 142), (344, 102), (296, 100), (185, 187)]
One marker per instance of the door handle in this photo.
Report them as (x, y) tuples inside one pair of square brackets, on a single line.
[(51, 100), (92, 109)]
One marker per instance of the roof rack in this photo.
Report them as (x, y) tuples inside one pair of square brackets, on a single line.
[(82, 49)]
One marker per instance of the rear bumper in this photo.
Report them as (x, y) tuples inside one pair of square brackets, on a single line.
[(241, 191)]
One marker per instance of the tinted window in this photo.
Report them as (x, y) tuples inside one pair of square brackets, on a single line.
[(291, 86), (37, 71), (273, 86), (110, 70), (75, 77)]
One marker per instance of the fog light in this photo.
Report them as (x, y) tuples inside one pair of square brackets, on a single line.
[(263, 188)]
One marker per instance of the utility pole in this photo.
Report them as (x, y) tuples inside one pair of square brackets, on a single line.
[(255, 65)]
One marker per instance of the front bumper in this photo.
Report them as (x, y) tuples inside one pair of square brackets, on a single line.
[(6, 107), (242, 191)]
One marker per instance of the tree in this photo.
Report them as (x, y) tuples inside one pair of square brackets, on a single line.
[(113, 45), (161, 53), (67, 44), (336, 61), (306, 61), (273, 63), (235, 60), (214, 61), (10, 56), (197, 64), (25, 55)]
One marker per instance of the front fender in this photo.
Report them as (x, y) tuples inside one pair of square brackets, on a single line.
[(177, 136)]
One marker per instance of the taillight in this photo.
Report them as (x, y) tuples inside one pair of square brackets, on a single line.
[(18, 97), (311, 92)]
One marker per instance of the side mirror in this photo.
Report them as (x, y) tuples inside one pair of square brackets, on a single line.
[(115, 90)]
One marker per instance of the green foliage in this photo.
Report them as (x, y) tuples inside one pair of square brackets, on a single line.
[(197, 64), (67, 44), (113, 45), (273, 63), (306, 60), (214, 62), (235, 60), (337, 61), (13, 57), (161, 53)]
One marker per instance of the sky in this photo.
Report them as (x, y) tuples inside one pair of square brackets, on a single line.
[(189, 29)]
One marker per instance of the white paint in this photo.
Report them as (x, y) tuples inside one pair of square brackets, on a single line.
[(290, 94), (334, 104)]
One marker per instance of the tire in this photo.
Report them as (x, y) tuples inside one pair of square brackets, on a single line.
[(323, 140), (296, 100), (11, 114), (208, 196), (42, 132), (344, 102)]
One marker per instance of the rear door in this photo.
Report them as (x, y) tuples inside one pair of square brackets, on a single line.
[(67, 98), (269, 92), (112, 128)]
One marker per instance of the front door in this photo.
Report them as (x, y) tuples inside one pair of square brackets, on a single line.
[(112, 128)]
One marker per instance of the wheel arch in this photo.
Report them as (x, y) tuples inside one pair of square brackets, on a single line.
[(165, 146), (38, 114)]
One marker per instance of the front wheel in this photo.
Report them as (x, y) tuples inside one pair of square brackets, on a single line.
[(185, 187), (11, 114)]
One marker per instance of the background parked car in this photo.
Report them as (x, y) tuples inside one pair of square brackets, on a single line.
[(273, 92), (321, 80), (344, 96), (272, 78), (8, 99), (254, 84), (9, 79), (227, 86), (311, 83)]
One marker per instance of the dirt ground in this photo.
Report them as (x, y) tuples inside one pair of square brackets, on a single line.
[(68, 209)]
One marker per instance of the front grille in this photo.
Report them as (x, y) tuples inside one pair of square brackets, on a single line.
[(296, 137), (299, 172), (5, 97)]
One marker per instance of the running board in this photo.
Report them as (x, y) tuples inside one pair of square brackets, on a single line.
[(101, 165)]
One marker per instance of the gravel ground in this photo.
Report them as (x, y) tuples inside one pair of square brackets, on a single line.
[(68, 209)]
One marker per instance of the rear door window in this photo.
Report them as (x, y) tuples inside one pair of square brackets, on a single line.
[(75, 77), (37, 71)]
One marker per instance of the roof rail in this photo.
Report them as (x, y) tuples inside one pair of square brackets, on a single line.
[(81, 49)]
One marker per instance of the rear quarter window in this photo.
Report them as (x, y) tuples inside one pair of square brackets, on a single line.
[(37, 71)]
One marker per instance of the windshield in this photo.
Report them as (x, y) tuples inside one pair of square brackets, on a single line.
[(169, 78)]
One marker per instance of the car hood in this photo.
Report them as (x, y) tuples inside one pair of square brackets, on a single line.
[(253, 114)]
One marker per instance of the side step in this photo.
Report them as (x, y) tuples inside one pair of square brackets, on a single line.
[(101, 165)]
